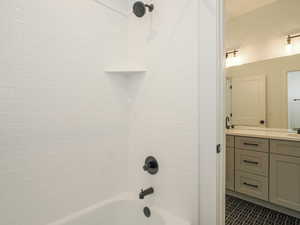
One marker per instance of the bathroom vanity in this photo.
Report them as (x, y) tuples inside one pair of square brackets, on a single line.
[(264, 165)]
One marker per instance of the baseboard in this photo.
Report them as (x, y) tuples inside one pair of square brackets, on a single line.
[(265, 204)]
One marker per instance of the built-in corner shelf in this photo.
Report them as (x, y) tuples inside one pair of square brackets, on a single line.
[(125, 70)]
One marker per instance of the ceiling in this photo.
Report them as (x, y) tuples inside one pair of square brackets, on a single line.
[(234, 8)]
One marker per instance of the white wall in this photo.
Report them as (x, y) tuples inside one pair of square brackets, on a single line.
[(63, 133), (165, 119), (261, 34), (164, 111), (67, 127)]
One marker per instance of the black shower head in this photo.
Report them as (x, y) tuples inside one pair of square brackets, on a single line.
[(139, 8)]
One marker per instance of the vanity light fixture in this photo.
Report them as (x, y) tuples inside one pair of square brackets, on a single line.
[(232, 58), (233, 52), (290, 37), (289, 41)]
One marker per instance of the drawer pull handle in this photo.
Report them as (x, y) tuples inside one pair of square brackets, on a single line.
[(250, 162), (250, 144), (250, 185)]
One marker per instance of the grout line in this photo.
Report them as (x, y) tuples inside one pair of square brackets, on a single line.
[(121, 12)]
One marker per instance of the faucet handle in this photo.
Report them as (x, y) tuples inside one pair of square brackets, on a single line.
[(151, 165)]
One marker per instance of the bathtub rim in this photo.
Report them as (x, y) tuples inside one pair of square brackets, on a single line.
[(169, 218)]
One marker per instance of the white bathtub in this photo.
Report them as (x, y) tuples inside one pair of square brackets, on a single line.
[(123, 210)]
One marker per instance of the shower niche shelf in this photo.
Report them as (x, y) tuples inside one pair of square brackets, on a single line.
[(125, 70)]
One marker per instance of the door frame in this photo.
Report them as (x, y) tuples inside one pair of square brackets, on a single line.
[(211, 112), (221, 82)]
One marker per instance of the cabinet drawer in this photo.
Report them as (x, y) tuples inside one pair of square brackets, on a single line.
[(252, 162), (291, 148), (229, 141), (253, 185), (255, 144)]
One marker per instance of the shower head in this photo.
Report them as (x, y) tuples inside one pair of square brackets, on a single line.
[(139, 8)]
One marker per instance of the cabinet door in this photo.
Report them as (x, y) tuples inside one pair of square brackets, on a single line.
[(285, 181), (230, 168), (249, 101)]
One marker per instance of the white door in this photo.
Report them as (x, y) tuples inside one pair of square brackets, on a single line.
[(249, 101)]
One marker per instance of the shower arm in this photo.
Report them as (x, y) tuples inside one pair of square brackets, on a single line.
[(150, 7)]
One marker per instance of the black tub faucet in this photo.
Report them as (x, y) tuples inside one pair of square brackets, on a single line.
[(146, 192)]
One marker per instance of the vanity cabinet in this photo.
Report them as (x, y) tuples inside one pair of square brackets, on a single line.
[(230, 162), (285, 174), (265, 169)]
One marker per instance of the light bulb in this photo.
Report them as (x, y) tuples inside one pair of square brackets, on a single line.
[(233, 61), (289, 48)]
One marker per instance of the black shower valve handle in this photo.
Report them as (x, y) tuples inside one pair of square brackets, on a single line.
[(151, 165), (148, 166)]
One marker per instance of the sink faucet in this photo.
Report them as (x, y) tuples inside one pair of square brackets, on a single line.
[(146, 192), (227, 121)]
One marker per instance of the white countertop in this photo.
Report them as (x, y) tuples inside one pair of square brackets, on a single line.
[(277, 134)]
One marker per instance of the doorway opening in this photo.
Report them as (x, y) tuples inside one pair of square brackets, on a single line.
[(261, 112)]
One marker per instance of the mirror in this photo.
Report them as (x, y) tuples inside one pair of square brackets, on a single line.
[(265, 94), (294, 100)]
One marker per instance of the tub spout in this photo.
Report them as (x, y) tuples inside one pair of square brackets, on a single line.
[(146, 192)]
